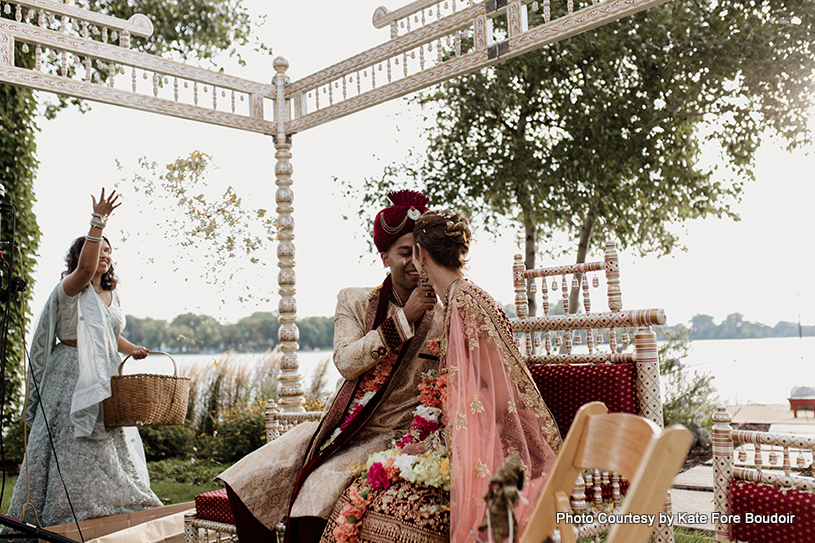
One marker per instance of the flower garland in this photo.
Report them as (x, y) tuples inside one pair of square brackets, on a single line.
[(430, 468), (369, 384)]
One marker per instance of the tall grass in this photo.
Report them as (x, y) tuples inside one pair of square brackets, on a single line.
[(226, 413), (223, 384)]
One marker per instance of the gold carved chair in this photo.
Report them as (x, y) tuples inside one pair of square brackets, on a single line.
[(763, 489)]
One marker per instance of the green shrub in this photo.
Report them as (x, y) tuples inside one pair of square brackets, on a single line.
[(162, 442), (238, 430), (190, 471), (688, 396)]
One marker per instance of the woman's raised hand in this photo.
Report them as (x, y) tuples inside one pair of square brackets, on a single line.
[(105, 206)]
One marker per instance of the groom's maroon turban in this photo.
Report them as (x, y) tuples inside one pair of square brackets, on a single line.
[(397, 220)]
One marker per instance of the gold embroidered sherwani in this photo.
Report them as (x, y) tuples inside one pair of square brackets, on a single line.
[(264, 480)]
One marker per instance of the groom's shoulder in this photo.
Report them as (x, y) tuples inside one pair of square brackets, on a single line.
[(355, 295)]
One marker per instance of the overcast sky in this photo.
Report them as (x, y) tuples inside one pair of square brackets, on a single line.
[(759, 267)]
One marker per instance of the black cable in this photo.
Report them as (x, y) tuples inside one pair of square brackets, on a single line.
[(53, 448), (8, 296)]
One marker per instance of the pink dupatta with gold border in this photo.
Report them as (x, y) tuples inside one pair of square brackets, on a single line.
[(493, 410)]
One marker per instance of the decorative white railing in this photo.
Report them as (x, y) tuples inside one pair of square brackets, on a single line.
[(436, 40), (72, 47)]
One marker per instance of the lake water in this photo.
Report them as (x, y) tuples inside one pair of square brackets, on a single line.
[(755, 370), (744, 370)]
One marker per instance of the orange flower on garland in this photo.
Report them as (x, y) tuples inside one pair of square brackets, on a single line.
[(373, 380), (347, 530), (433, 389)]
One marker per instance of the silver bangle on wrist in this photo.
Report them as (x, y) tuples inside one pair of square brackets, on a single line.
[(91, 238), (98, 220)]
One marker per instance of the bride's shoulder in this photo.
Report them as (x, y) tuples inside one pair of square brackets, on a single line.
[(468, 294)]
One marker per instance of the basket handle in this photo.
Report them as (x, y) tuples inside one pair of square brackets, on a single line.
[(175, 366)]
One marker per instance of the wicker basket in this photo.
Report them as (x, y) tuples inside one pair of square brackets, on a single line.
[(146, 399)]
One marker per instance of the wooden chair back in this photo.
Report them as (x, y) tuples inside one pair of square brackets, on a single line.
[(628, 444)]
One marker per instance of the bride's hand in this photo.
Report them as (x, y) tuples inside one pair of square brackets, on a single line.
[(414, 449)]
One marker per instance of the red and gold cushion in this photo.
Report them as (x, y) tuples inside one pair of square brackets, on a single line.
[(565, 388), (795, 513), (214, 506)]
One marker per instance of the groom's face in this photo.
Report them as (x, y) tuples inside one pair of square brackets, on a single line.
[(399, 258)]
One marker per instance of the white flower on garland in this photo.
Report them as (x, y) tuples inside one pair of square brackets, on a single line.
[(427, 412)]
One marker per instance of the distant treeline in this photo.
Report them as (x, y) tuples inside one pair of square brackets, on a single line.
[(735, 327), (258, 332), (196, 333)]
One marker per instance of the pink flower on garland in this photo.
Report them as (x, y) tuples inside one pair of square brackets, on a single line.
[(393, 472), (378, 477), (372, 381), (433, 389), (406, 440), (347, 530), (350, 416), (425, 427)]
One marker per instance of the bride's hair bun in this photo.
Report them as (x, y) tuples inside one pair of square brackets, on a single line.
[(445, 235)]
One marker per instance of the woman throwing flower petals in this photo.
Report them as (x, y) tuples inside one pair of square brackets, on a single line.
[(477, 411), (74, 352)]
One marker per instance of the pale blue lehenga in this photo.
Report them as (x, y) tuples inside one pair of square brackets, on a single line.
[(104, 470)]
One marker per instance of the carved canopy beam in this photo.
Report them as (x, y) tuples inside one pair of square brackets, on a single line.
[(446, 44), (68, 42)]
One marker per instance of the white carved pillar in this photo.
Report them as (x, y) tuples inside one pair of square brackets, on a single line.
[(290, 383)]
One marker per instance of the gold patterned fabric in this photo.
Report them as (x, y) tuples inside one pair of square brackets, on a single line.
[(404, 513), (264, 480)]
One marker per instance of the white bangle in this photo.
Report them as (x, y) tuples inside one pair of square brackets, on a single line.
[(98, 220), (91, 238)]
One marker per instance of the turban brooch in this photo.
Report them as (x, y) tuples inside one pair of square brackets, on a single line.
[(397, 220)]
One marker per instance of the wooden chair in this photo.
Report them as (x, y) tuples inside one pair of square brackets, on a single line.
[(747, 491), (203, 530), (627, 444)]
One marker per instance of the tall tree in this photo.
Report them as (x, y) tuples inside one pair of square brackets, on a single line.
[(199, 29), (599, 136)]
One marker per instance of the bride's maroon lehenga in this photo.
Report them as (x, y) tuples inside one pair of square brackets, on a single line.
[(493, 410)]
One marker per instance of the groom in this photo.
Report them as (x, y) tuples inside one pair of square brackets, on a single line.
[(380, 338)]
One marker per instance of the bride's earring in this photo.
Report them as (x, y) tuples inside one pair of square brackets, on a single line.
[(423, 275)]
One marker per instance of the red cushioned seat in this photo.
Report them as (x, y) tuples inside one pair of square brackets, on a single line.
[(566, 388), (794, 505), (214, 506)]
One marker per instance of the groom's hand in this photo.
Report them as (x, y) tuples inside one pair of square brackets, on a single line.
[(420, 300)]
